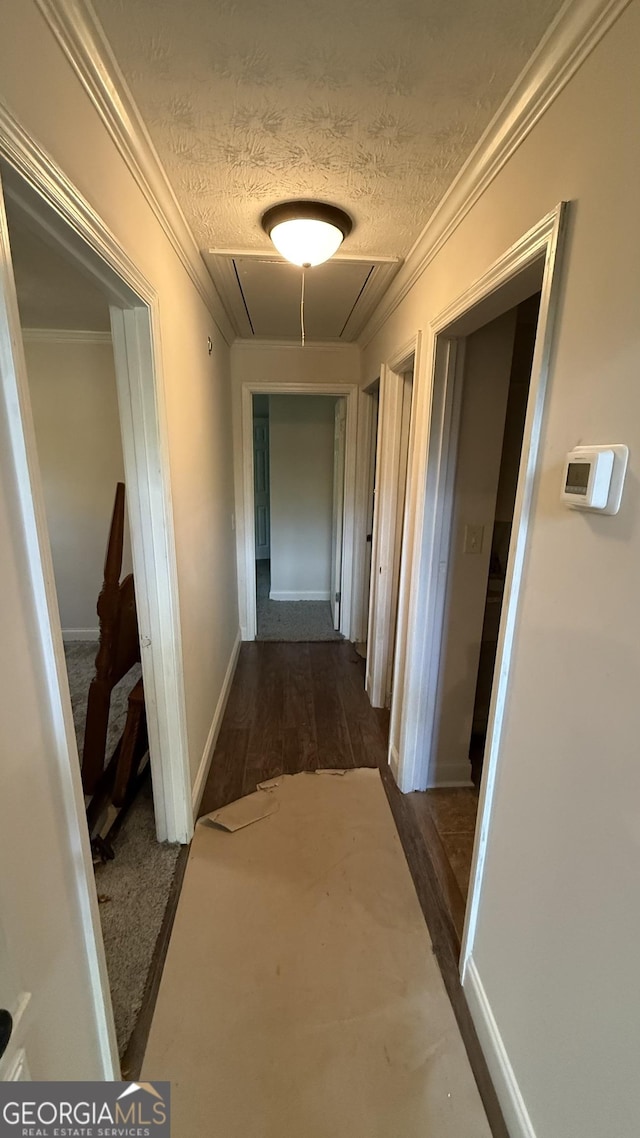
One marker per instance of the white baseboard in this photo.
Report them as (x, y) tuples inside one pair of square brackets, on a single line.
[(323, 595), (451, 774), (214, 730), (80, 634), (450, 783), (502, 1074)]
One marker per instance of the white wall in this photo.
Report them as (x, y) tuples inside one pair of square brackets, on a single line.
[(487, 369), (75, 411), (55, 110), (301, 429), (559, 924)]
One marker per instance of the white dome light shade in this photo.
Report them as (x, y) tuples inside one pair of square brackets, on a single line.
[(306, 233), (306, 242)]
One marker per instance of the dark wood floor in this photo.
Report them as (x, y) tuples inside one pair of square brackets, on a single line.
[(296, 707), (293, 707)]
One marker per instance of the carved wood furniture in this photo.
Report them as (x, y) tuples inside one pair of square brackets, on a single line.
[(118, 651)]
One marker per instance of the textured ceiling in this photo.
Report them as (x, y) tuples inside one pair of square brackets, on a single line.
[(52, 292), (372, 104)]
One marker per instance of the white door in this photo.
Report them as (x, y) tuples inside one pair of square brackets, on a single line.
[(52, 970), (371, 496), (401, 490), (261, 487), (339, 440), (394, 418)]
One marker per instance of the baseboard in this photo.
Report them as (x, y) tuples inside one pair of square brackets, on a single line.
[(502, 1074), (322, 595), (451, 774), (450, 783), (69, 634), (214, 730)]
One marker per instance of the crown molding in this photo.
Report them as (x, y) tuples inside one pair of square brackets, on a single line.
[(80, 35), (64, 336), (577, 29)]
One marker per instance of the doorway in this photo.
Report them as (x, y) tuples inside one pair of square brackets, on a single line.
[(371, 414), (98, 410), (70, 371), (530, 266), (298, 466), (311, 554), (495, 383)]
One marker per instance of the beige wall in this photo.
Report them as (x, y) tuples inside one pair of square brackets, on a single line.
[(54, 109), (559, 923), (75, 411), (487, 368), (301, 429)]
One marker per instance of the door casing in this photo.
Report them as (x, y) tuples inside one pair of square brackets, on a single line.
[(337, 521), (261, 485), (42, 191), (531, 264), (388, 521), (245, 497)]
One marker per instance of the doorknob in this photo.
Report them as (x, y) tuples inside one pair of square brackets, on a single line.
[(6, 1027)]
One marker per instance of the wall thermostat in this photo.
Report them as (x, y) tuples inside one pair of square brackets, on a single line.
[(594, 476)]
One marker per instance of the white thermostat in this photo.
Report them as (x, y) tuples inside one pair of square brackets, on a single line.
[(594, 476)]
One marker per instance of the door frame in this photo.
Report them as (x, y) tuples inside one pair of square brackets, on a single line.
[(42, 190), (531, 263), (262, 419), (367, 453), (245, 500), (337, 519), (387, 507)]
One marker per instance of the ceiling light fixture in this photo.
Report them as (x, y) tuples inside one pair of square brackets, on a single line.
[(306, 233)]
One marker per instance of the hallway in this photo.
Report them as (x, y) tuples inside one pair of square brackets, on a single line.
[(297, 707)]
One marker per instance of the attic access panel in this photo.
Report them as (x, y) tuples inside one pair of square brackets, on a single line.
[(271, 293)]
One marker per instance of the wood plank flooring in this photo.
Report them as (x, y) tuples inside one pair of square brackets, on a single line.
[(293, 707), (296, 707)]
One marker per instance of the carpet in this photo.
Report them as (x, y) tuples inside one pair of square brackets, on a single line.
[(300, 994), (291, 621), (135, 886), (133, 891)]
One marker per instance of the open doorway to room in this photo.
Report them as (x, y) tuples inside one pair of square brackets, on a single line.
[(488, 438), (330, 427), (70, 374), (298, 465), (390, 472), (372, 408)]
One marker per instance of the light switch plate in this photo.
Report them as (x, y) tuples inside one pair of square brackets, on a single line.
[(473, 538)]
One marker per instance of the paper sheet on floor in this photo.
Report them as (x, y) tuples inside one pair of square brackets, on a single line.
[(301, 997), (237, 815)]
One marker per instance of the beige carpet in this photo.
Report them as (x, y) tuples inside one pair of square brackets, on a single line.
[(301, 997)]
